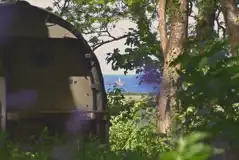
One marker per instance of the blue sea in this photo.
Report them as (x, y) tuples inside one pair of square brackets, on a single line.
[(131, 84)]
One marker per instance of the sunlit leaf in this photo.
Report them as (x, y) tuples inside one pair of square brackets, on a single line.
[(203, 62)]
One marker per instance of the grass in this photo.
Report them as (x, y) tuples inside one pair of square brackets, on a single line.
[(135, 96)]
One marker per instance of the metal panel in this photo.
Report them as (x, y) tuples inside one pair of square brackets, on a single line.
[(48, 87), (56, 31), (82, 93)]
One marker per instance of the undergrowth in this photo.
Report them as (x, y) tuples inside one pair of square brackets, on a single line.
[(132, 136)]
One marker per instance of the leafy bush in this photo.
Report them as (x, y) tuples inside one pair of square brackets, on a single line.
[(116, 101), (132, 125), (209, 91), (135, 131), (132, 136), (189, 147)]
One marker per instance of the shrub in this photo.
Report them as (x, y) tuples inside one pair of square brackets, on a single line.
[(133, 127)]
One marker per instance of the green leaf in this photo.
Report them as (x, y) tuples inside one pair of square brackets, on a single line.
[(201, 156), (197, 149), (190, 109), (203, 62), (195, 137), (169, 156), (235, 76)]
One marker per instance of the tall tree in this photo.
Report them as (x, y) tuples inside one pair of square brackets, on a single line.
[(172, 46), (96, 18), (231, 13), (205, 19)]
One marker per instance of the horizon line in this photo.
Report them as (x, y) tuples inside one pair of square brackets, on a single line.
[(119, 74)]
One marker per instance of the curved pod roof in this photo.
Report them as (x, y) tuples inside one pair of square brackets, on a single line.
[(22, 19)]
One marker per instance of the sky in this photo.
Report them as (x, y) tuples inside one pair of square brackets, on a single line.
[(101, 52)]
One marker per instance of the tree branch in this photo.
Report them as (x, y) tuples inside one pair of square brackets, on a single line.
[(190, 8), (219, 24), (162, 24), (65, 5), (109, 41), (93, 32)]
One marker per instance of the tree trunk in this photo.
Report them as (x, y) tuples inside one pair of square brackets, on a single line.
[(231, 13), (174, 47), (205, 19), (162, 25)]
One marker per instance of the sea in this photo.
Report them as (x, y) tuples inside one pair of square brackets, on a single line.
[(131, 84)]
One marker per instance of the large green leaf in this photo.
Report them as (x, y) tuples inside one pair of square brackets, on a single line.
[(203, 62)]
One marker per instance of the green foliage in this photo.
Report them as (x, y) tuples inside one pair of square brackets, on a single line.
[(142, 50), (133, 133), (116, 101), (188, 148), (133, 126), (134, 130), (97, 19), (132, 136), (209, 90), (208, 93), (191, 148)]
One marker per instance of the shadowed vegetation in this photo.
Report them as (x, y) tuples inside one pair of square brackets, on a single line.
[(192, 55)]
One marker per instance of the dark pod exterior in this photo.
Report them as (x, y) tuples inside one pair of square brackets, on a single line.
[(49, 76)]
